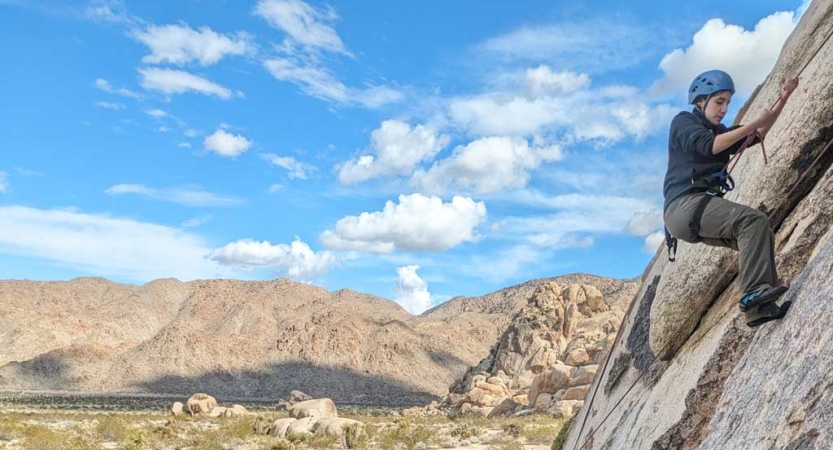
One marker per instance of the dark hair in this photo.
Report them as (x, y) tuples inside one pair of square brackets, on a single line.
[(704, 97)]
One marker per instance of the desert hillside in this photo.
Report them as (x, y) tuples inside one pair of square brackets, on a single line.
[(249, 339)]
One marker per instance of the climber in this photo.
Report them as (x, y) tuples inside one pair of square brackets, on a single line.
[(699, 149)]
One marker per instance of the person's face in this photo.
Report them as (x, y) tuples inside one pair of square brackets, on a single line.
[(716, 108)]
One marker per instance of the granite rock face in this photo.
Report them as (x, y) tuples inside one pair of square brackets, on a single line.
[(685, 372)]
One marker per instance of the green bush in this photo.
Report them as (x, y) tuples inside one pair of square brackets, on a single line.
[(561, 439), (135, 441), (408, 436)]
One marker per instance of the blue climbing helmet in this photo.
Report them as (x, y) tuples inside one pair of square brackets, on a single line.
[(707, 83)]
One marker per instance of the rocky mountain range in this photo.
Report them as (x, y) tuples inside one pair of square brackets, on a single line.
[(250, 339)]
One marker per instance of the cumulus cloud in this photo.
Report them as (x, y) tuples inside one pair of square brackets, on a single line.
[(297, 169), (181, 44), (105, 86), (227, 144), (411, 291), (96, 244), (747, 55), (180, 195), (417, 222), (396, 148), (184, 145), (320, 83), (485, 165), (296, 261), (602, 115), (170, 81), (304, 25), (543, 80), (653, 241)]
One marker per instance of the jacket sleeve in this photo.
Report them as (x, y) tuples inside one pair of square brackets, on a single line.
[(691, 135), (736, 146)]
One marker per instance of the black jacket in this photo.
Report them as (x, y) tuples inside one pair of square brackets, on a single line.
[(690, 142)]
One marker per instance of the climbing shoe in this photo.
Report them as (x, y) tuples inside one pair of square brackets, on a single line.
[(768, 295), (767, 313)]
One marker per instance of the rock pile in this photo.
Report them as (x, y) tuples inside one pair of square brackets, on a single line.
[(317, 417), (294, 397), (206, 405), (543, 362)]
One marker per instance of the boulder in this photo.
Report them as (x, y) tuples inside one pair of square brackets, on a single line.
[(335, 427), (236, 411), (583, 375), (218, 411), (565, 409), (302, 426), (575, 393), (542, 403), (178, 409), (552, 381), (503, 407), (321, 408), (201, 404), (578, 357), (594, 298), (279, 427)]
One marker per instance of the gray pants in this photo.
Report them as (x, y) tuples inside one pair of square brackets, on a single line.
[(732, 225)]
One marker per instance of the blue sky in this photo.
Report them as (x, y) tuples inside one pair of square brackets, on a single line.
[(412, 150)]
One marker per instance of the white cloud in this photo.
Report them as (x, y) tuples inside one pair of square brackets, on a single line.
[(4, 182), (181, 44), (191, 133), (105, 86), (224, 143), (597, 45), (109, 105), (575, 219), (157, 113), (184, 145), (274, 188), (110, 12), (603, 114), (97, 244), (180, 195), (411, 291), (164, 129), (396, 148), (297, 169), (416, 223), (320, 83), (197, 221), (303, 24), (486, 165), (645, 223), (542, 80), (170, 81), (748, 56), (652, 241), (296, 260)]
